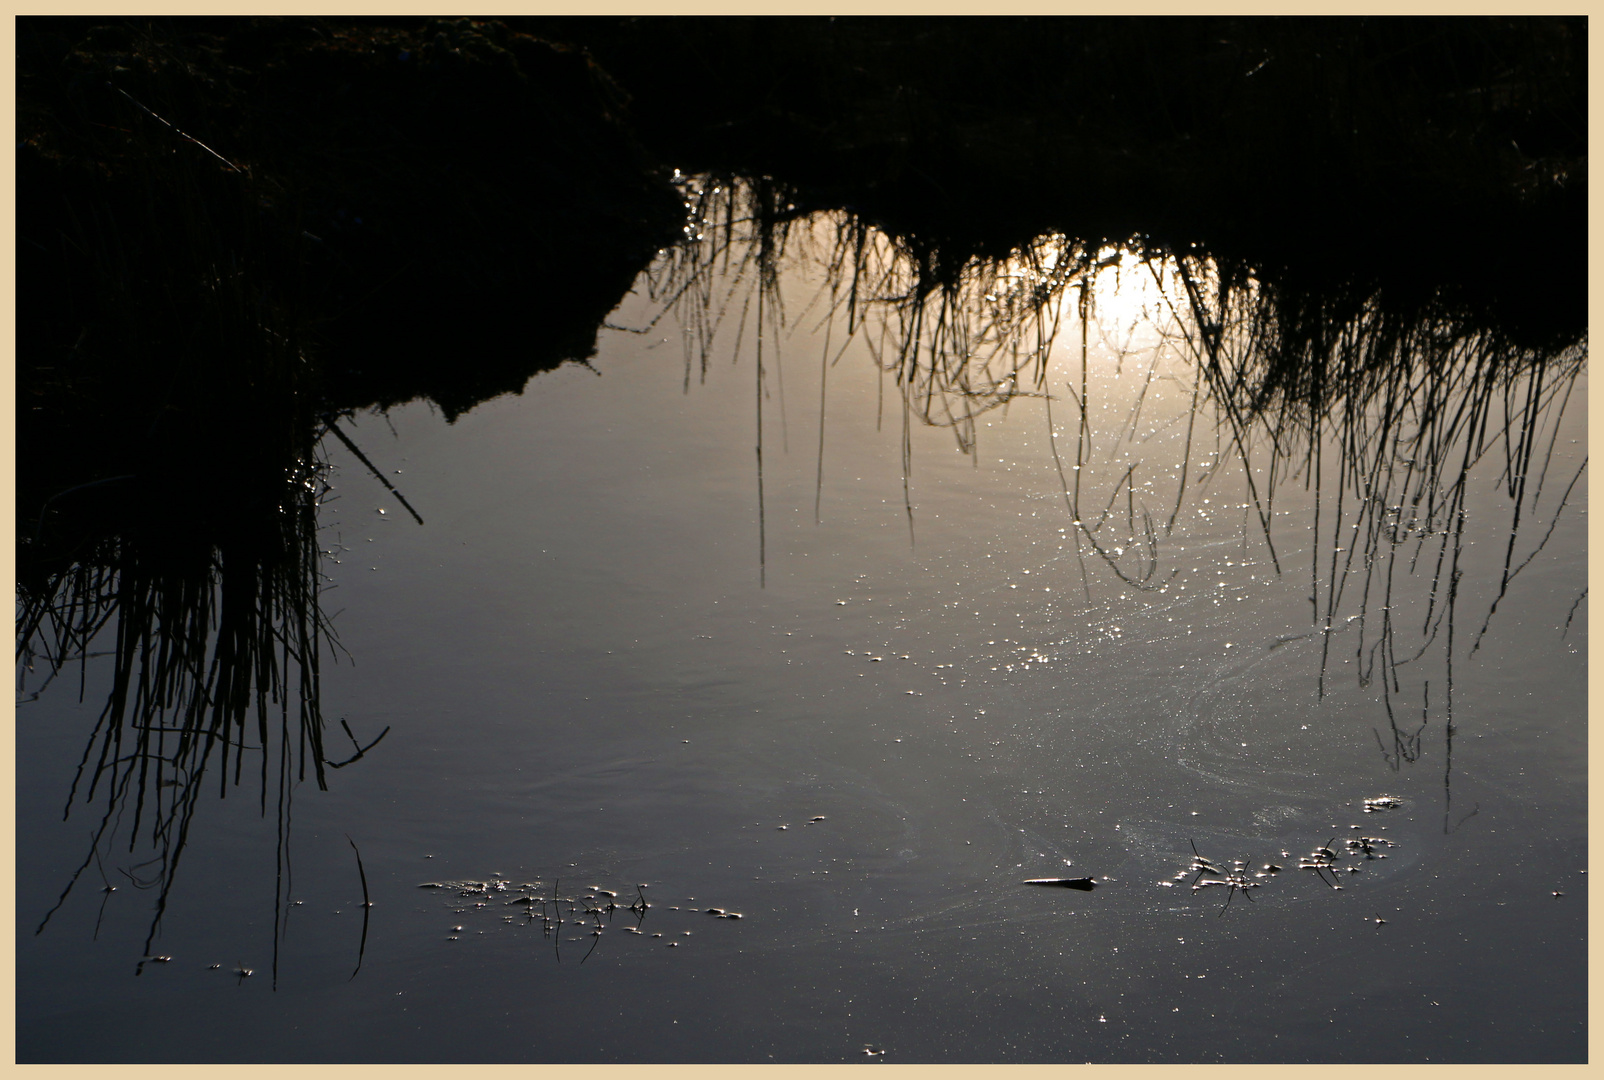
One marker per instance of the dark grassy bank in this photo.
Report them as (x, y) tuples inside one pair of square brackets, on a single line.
[(1413, 153), (398, 196)]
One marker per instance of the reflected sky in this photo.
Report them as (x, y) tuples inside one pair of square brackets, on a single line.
[(1053, 572)]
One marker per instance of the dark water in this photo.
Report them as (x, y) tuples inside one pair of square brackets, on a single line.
[(861, 717)]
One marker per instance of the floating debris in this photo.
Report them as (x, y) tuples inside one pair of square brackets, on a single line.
[(1382, 802), (1236, 880), (873, 1051), (1200, 866), (1085, 884), (1321, 860), (483, 888), (1368, 844), (592, 912)]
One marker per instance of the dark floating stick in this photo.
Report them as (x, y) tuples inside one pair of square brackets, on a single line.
[(1084, 884)]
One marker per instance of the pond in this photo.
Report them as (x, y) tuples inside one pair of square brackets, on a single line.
[(847, 608)]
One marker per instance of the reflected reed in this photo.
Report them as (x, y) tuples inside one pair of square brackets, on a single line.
[(214, 666), (1383, 404)]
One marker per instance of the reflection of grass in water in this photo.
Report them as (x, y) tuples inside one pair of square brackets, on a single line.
[(215, 666), (958, 342), (961, 341), (1412, 401), (1409, 394)]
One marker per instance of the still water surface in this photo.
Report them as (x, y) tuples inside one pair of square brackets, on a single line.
[(863, 728)]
